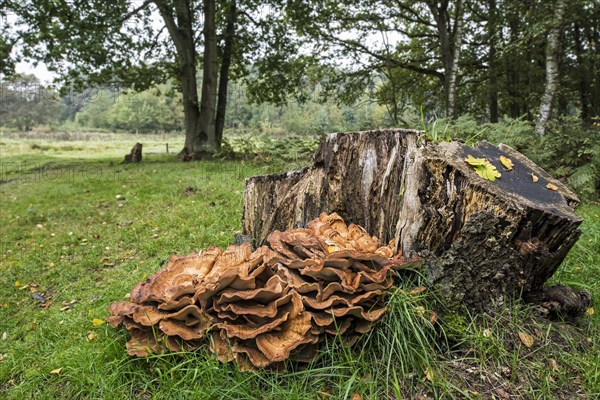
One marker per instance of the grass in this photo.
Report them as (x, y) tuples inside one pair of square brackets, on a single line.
[(80, 233)]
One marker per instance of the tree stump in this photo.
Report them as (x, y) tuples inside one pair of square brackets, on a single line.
[(482, 241), (135, 155)]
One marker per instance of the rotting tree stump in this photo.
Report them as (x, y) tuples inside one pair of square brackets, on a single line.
[(134, 156), (483, 242)]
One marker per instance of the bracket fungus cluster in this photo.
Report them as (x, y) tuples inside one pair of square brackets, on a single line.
[(264, 307)]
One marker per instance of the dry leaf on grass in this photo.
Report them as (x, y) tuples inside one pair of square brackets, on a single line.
[(526, 339), (56, 371), (91, 336), (590, 311), (502, 393)]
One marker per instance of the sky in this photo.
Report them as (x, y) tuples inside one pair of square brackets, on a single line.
[(40, 71)]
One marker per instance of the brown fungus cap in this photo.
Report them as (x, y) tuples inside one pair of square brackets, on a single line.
[(265, 307)]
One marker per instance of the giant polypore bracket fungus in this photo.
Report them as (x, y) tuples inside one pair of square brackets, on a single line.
[(263, 307)]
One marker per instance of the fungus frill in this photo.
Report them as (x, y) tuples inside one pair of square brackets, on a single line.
[(264, 307)]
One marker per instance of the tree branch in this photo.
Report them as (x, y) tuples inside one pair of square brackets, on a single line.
[(135, 11)]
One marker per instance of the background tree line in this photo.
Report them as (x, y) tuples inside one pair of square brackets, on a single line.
[(28, 104), (487, 58)]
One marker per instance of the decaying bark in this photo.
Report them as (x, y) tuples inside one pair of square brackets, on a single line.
[(482, 241), (135, 155)]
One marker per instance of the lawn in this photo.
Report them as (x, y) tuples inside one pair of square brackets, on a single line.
[(78, 233)]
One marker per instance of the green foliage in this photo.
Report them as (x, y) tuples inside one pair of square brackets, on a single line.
[(146, 111), (26, 103), (294, 149)]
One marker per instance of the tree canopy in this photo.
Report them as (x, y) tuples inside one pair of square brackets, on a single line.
[(487, 58)]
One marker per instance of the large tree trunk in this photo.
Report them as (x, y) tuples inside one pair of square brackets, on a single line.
[(482, 241), (493, 65), (178, 19), (513, 61), (208, 100), (450, 40), (584, 78), (224, 74), (552, 60)]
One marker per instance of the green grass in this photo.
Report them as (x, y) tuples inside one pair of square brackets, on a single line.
[(89, 230)]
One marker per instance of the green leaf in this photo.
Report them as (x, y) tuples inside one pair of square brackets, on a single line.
[(483, 168)]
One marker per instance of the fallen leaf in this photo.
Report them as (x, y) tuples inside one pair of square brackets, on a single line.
[(534, 178), (507, 162), (106, 262), (420, 309), (483, 168), (417, 290), (39, 297), (552, 187), (56, 371), (429, 375), (97, 322), (526, 339), (552, 365), (4, 335), (487, 332), (590, 311), (91, 336), (356, 396), (502, 393), (433, 318), (475, 162)]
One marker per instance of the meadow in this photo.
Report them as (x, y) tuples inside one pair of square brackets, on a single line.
[(79, 230)]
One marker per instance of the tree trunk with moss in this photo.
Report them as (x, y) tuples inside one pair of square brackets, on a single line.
[(483, 242)]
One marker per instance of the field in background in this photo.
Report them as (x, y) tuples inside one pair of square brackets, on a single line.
[(79, 231), (85, 144)]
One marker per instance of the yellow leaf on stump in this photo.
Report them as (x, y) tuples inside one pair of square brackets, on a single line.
[(507, 162)]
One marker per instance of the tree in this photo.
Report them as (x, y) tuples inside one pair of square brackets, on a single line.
[(26, 103), (552, 73), (429, 43), (121, 42)]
